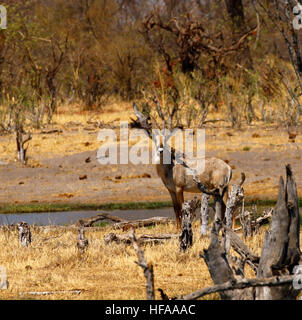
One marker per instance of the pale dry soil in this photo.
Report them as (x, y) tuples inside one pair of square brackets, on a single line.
[(58, 160)]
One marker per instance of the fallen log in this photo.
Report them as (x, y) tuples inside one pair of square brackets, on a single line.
[(51, 131), (102, 216), (143, 239), (141, 223), (46, 293), (123, 223)]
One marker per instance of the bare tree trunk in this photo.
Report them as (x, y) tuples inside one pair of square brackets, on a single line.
[(236, 13), (21, 150)]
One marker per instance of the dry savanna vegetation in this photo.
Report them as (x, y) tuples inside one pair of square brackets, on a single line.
[(69, 69), (52, 263)]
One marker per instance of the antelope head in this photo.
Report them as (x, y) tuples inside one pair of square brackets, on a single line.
[(164, 154)]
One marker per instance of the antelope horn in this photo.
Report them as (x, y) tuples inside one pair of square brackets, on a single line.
[(242, 179)]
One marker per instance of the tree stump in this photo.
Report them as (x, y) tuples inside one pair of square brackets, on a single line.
[(82, 243), (235, 197), (25, 237), (186, 237), (280, 253), (281, 247)]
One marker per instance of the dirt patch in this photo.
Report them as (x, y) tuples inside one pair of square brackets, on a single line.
[(73, 174)]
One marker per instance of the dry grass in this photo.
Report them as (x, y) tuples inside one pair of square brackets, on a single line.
[(105, 271), (76, 138)]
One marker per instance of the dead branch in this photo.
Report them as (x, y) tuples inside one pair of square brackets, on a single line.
[(163, 295), (141, 223), (143, 239), (259, 221), (102, 216), (216, 260), (44, 293), (241, 248), (51, 131), (147, 268), (239, 284), (246, 222), (235, 197), (191, 39)]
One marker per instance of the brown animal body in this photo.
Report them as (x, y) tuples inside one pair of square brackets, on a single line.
[(178, 179), (178, 175)]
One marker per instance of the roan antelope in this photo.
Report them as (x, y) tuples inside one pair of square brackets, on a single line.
[(214, 180)]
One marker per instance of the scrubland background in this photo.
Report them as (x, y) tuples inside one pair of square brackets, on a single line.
[(71, 68)]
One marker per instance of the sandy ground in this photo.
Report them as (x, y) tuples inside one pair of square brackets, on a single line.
[(57, 161)]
